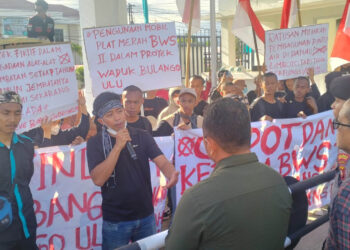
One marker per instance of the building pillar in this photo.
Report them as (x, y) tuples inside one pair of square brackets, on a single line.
[(228, 44), (98, 13)]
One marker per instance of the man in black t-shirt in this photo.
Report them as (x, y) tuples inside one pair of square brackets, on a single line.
[(267, 107), (153, 104), (132, 102), (223, 77), (41, 26), (124, 175), (314, 91), (301, 104), (197, 83)]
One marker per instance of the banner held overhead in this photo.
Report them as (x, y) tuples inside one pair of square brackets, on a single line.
[(145, 55)]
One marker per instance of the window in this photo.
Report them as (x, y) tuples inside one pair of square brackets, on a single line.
[(59, 35)]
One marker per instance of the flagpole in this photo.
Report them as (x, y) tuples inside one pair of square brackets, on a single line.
[(187, 82), (256, 51), (299, 13), (213, 44), (145, 10)]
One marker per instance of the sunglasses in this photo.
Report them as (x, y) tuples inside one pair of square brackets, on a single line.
[(337, 124)]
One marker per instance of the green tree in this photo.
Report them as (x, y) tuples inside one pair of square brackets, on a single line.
[(79, 72), (77, 49)]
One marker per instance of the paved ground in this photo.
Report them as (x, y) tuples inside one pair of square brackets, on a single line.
[(313, 240)]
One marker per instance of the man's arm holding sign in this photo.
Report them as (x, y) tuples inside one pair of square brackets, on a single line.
[(315, 93)]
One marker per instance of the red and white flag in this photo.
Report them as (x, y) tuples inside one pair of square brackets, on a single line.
[(341, 48), (347, 21), (289, 14), (184, 7), (244, 23)]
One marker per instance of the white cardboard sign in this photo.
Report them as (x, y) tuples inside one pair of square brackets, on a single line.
[(290, 52), (44, 77), (145, 55)]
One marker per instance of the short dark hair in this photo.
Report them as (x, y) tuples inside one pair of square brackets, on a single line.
[(302, 78), (198, 77), (270, 74), (132, 88), (228, 123), (340, 87), (222, 72), (330, 77), (43, 4)]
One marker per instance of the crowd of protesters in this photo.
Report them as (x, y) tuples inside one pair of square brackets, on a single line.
[(117, 120), (272, 99)]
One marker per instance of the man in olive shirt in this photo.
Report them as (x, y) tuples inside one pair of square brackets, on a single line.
[(243, 204)]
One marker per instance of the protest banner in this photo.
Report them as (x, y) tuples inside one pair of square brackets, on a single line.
[(43, 76), (290, 52), (68, 205), (145, 55), (301, 148)]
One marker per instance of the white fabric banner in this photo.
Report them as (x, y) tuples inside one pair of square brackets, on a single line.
[(301, 148), (43, 76), (68, 205)]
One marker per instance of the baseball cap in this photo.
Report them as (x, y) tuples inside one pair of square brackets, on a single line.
[(188, 91)]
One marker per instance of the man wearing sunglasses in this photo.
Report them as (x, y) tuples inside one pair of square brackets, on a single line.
[(339, 230)]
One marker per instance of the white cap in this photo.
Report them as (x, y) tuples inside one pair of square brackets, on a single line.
[(188, 91)]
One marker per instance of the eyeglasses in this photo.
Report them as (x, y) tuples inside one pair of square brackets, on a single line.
[(337, 124)]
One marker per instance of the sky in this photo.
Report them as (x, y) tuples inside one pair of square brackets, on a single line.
[(159, 10)]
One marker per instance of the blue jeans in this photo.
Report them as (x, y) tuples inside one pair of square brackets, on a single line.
[(118, 234)]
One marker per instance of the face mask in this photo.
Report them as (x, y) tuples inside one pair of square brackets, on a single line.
[(55, 129), (111, 131), (245, 90)]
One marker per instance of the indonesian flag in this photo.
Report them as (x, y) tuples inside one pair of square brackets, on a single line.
[(244, 23), (347, 21), (341, 49), (289, 14), (184, 7)]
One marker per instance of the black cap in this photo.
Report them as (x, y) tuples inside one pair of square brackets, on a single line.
[(340, 87)]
